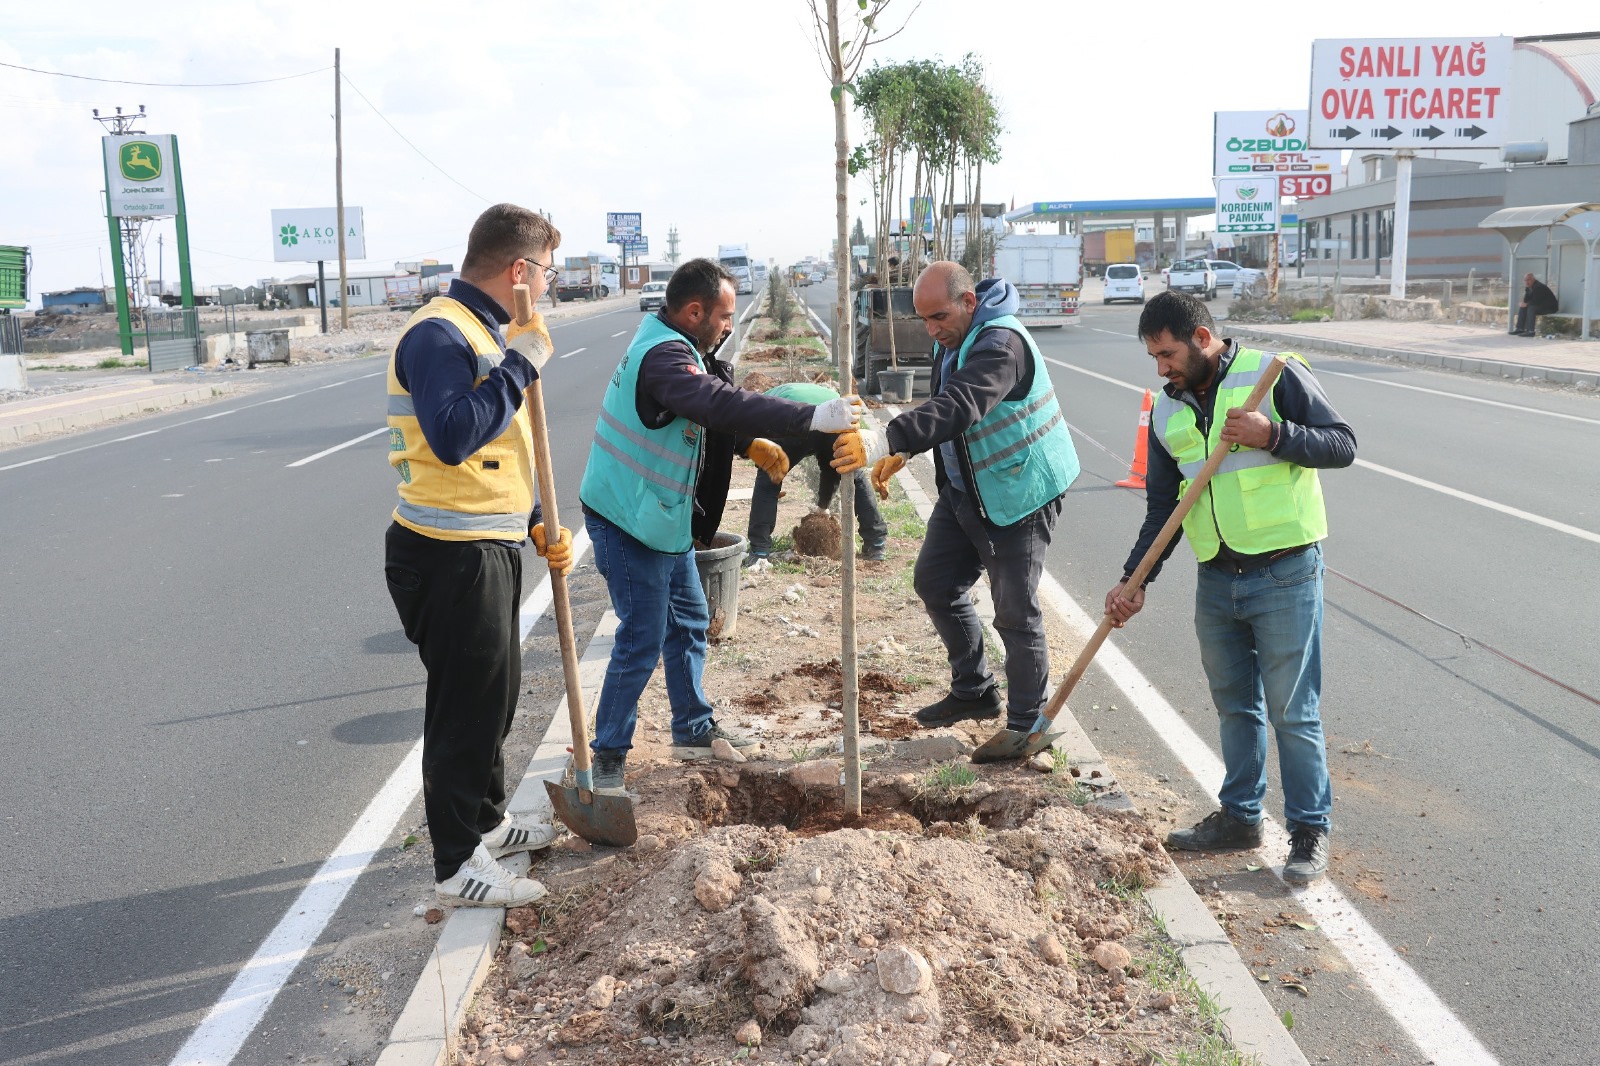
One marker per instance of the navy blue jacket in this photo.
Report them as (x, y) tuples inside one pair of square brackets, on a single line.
[(1311, 435)]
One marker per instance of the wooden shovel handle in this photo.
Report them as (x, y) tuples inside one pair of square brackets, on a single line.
[(1269, 377), (552, 529)]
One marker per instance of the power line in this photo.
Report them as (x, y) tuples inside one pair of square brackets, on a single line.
[(165, 84), (403, 137)]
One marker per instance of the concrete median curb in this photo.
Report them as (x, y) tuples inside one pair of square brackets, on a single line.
[(1461, 363), (113, 409)]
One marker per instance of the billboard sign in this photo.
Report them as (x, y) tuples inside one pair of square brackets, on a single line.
[(636, 245), (311, 234), (1247, 205), (1445, 92), (141, 176), (622, 224), (1266, 142)]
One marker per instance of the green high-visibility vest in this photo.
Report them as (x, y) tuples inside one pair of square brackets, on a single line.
[(1021, 452), (639, 478), (1255, 502)]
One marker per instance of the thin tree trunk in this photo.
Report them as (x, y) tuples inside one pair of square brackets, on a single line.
[(850, 697)]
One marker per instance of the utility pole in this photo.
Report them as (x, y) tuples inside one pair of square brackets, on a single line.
[(338, 182)]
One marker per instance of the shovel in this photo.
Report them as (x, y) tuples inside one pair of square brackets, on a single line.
[(1016, 744), (599, 819)]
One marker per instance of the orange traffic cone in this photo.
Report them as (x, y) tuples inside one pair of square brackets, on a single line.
[(1135, 479)]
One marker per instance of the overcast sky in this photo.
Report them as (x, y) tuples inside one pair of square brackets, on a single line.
[(712, 115)]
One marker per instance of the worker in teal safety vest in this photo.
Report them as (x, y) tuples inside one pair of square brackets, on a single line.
[(1257, 530), (656, 484), (1003, 459)]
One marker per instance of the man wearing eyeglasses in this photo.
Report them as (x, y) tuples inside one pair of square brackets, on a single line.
[(461, 441)]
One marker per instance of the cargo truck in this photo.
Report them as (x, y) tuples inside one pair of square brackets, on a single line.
[(587, 277), (735, 259), (1047, 271)]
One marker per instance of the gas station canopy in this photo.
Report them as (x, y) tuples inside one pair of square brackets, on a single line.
[(1061, 210)]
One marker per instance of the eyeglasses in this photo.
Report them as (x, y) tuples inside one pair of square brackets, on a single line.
[(550, 272)]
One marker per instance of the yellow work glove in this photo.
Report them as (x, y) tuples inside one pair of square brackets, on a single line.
[(532, 340), (886, 468), (557, 555), (770, 458), (857, 449)]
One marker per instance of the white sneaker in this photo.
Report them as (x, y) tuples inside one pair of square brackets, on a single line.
[(482, 882), (514, 835)]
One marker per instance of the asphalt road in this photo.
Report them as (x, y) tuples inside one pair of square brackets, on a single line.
[(1462, 833), (205, 685)]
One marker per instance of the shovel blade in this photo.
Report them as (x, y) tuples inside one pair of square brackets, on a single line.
[(1011, 744), (604, 820)]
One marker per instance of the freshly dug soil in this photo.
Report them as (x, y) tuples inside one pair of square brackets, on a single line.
[(817, 535)]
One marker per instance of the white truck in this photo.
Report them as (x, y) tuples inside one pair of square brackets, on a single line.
[(735, 259), (1047, 270), (1192, 275)]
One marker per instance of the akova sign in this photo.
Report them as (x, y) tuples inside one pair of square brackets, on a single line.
[(1247, 205), (311, 234), (1448, 92), (1266, 142)]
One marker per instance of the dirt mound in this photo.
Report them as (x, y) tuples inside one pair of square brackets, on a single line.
[(860, 946), (817, 535), (823, 683)]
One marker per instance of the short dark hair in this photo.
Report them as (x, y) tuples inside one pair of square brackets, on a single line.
[(698, 279), (502, 235), (1177, 313)]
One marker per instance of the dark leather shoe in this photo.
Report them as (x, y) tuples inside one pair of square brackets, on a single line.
[(954, 709), (1217, 831)]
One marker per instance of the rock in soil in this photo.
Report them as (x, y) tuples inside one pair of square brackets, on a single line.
[(904, 971), (726, 752), (1112, 956)]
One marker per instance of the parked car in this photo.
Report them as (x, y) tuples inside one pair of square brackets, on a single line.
[(1124, 281), (1226, 272), (1192, 275), (653, 296)]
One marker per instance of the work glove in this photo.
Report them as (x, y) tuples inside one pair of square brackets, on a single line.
[(838, 415), (886, 468), (770, 458), (557, 555), (856, 449), (531, 339)]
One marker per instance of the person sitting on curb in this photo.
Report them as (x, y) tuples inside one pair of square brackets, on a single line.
[(656, 483), (821, 446)]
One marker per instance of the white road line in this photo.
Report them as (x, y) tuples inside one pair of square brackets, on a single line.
[(1460, 396), (1432, 1026), (1492, 505), (574, 352), (231, 1020), (338, 447), (235, 1016), (1103, 377), (1114, 333), (1526, 516), (619, 333), (185, 422)]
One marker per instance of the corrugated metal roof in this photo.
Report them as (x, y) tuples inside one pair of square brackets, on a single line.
[(1578, 55)]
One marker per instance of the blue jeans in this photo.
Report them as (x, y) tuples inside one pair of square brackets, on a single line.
[(661, 617), (1261, 646)]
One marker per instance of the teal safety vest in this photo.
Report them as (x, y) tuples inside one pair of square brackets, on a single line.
[(1256, 502), (1021, 452), (639, 478)]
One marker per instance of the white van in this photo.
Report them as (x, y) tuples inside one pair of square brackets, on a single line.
[(1124, 281)]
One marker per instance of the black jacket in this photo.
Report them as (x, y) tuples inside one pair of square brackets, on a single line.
[(1539, 298)]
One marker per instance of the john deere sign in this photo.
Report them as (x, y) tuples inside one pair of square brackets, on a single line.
[(1247, 205), (140, 177)]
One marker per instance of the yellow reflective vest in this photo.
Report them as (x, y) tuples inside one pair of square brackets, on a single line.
[(1255, 502), (489, 496)]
